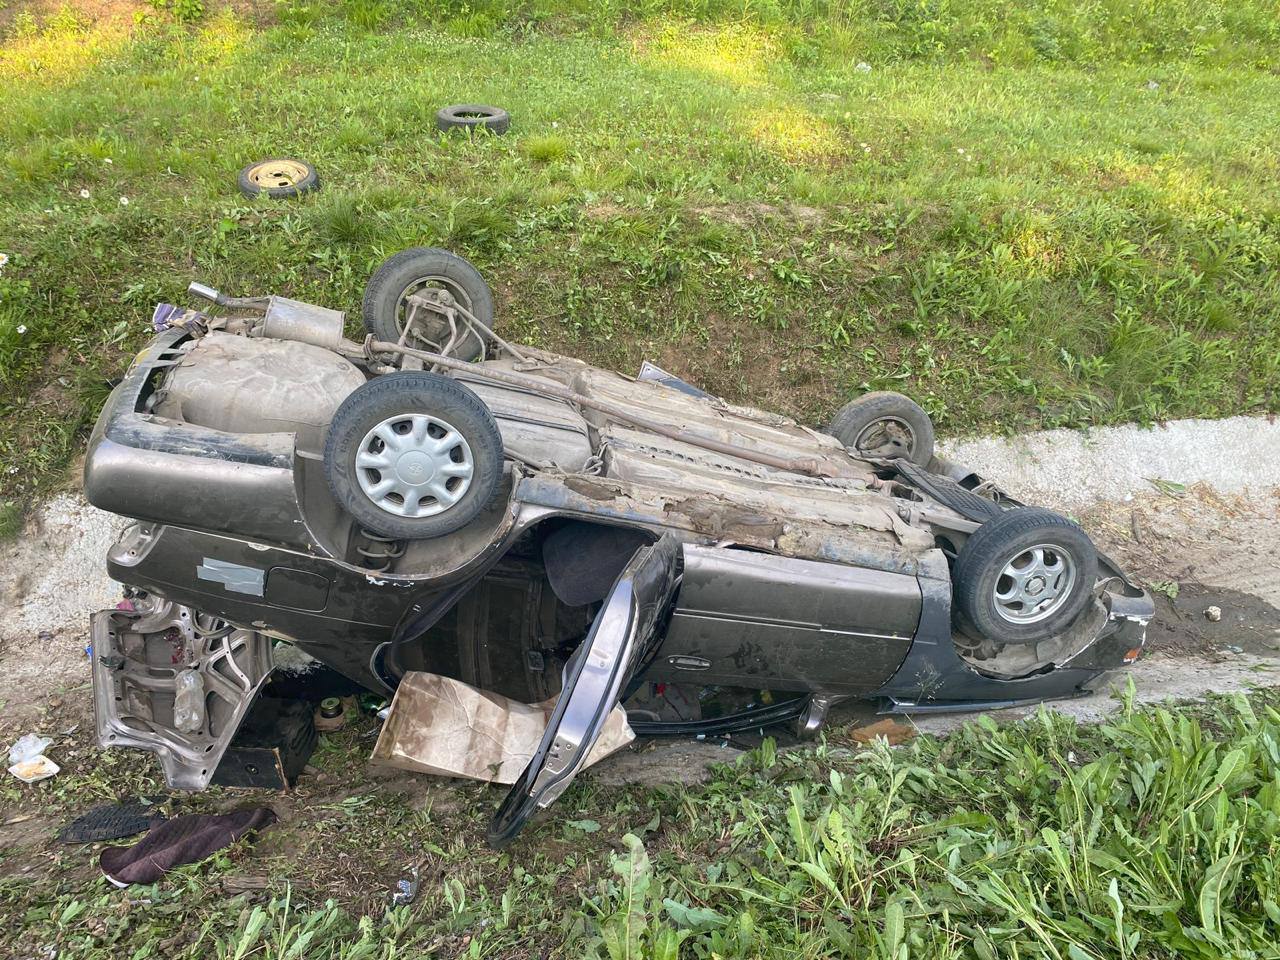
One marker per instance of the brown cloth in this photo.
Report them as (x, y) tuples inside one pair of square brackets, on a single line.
[(178, 841)]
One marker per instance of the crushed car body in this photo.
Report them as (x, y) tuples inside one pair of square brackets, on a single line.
[(435, 499)]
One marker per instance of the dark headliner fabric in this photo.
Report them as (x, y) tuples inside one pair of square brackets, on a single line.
[(583, 559)]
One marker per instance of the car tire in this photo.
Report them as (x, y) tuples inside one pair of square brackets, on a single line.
[(1024, 576), (280, 178), (408, 271), (885, 425), (473, 116), (413, 455)]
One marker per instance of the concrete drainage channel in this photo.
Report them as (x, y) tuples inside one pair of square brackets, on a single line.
[(1193, 500)]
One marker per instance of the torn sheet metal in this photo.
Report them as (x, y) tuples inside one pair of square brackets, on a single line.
[(448, 728)]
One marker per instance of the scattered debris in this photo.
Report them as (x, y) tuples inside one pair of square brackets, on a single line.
[(862, 67), (28, 747), (1153, 85), (290, 658), (470, 117), (1170, 488), (27, 760), (279, 179), (406, 888), (182, 840), (331, 714), (1213, 613), (34, 770), (445, 727), (112, 821), (893, 731)]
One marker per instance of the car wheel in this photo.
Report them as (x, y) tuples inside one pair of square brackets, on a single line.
[(473, 116), (413, 455), (279, 179), (411, 271), (1025, 575), (885, 426)]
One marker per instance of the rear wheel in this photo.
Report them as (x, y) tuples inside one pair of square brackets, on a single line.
[(1024, 576), (386, 308), (886, 426), (413, 455)]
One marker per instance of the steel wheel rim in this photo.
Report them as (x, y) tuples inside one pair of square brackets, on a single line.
[(1034, 584), (414, 465), (276, 174), (886, 437), (432, 319)]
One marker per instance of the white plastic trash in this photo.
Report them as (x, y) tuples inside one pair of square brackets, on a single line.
[(34, 770), (28, 747)]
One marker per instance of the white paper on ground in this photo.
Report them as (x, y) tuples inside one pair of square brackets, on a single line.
[(445, 727)]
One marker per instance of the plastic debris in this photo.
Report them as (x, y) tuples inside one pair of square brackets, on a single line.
[(36, 769), (406, 888), (188, 702), (863, 68), (28, 747)]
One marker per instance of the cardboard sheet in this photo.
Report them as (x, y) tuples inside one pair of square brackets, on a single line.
[(446, 727)]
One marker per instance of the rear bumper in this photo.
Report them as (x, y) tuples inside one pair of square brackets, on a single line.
[(142, 466)]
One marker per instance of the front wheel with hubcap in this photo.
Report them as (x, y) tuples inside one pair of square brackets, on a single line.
[(885, 425), (413, 455), (1025, 575)]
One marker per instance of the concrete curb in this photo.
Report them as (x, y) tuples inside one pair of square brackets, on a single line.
[(1073, 469)]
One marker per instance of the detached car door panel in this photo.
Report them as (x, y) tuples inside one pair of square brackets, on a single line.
[(757, 620), (621, 640)]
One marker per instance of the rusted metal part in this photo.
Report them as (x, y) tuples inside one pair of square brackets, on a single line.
[(810, 466), (445, 303)]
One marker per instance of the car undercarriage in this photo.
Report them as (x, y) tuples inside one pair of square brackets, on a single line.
[(436, 499)]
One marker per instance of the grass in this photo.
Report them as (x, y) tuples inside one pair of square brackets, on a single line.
[(1153, 835), (1048, 214)]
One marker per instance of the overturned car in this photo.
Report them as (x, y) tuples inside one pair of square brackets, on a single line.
[(434, 498)]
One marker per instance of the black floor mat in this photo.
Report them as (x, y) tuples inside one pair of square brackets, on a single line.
[(111, 821)]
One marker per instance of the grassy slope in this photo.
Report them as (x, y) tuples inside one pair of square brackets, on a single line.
[(1048, 215), (1153, 836)]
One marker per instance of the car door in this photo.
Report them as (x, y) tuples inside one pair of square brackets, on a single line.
[(621, 640)]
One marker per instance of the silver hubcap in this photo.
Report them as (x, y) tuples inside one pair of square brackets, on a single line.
[(414, 465), (1034, 584), (887, 437)]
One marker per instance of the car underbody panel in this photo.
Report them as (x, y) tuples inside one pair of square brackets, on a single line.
[(790, 565)]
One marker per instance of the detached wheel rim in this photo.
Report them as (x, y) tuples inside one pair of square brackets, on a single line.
[(414, 465), (1034, 584), (432, 322), (277, 174), (886, 438)]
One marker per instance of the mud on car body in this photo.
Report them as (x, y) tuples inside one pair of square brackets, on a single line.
[(435, 498)]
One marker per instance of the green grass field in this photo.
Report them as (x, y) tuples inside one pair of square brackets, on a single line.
[(1154, 836), (1050, 214)]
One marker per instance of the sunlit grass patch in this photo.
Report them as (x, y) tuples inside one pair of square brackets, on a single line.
[(795, 135), (737, 52), (64, 50)]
